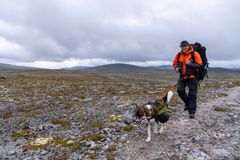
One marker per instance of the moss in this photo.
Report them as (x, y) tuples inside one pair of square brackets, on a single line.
[(76, 146), (97, 124), (7, 115), (27, 109), (222, 94), (112, 148), (110, 152), (62, 142), (79, 118), (82, 97), (110, 157), (32, 147), (92, 137), (22, 133), (38, 143), (65, 143), (92, 155), (128, 128), (221, 109), (63, 122)]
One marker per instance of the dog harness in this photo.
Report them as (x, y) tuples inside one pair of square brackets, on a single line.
[(159, 108)]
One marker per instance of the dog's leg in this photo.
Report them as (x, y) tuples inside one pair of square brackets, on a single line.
[(155, 129), (149, 132), (162, 127)]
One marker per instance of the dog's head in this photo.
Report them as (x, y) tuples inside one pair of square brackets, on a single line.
[(143, 113), (139, 111)]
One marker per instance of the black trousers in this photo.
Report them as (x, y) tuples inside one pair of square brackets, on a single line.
[(189, 99)]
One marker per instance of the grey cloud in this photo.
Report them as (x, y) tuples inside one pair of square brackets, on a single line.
[(57, 30)]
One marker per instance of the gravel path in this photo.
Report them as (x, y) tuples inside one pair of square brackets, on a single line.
[(213, 134)]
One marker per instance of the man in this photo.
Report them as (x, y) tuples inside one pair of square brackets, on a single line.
[(187, 68)]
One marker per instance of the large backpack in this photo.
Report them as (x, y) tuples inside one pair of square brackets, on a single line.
[(202, 70)]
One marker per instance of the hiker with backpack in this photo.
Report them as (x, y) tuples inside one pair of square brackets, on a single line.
[(186, 63)]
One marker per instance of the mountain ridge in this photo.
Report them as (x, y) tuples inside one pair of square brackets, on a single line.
[(114, 67)]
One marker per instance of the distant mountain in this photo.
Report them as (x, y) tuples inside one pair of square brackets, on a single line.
[(236, 69), (163, 67), (211, 69), (219, 69), (111, 68), (123, 68), (76, 68), (117, 68), (9, 67)]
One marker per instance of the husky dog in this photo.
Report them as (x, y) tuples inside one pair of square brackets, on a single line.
[(157, 111)]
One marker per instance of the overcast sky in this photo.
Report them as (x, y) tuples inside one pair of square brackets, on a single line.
[(65, 33)]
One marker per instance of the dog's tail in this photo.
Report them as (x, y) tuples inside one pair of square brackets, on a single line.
[(169, 96)]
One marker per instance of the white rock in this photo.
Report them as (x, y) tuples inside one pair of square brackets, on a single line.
[(221, 153), (197, 155)]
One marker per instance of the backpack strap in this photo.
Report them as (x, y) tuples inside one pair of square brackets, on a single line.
[(179, 54), (193, 56)]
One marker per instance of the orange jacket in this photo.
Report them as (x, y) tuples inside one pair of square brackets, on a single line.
[(185, 70)]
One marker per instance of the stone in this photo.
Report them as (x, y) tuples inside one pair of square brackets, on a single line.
[(197, 155), (11, 152), (41, 141), (91, 144), (106, 147), (183, 147), (200, 139), (44, 152), (221, 152), (177, 143), (128, 118)]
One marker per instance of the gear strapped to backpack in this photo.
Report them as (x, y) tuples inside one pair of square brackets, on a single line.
[(201, 72)]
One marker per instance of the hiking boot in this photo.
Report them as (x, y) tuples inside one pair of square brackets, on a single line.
[(191, 115)]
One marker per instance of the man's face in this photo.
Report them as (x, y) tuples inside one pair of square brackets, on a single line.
[(185, 48)]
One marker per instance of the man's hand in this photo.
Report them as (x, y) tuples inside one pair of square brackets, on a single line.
[(177, 69), (188, 62)]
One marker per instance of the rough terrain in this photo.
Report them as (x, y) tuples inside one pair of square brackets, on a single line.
[(89, 116), (213, 134)]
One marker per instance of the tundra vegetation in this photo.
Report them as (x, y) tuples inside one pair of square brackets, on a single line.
[(71, 115)]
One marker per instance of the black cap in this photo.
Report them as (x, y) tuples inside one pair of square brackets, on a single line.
[(184, 43)]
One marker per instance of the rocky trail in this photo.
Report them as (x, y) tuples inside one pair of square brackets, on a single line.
[(89, 116), (213, 134)]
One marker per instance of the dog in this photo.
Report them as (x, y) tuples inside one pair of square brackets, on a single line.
[(157, 111)]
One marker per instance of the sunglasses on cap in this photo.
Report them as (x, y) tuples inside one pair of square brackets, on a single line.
[(183, 45)]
